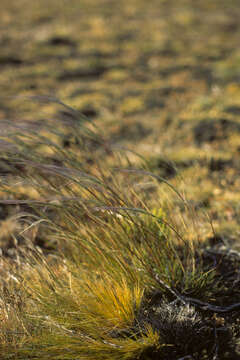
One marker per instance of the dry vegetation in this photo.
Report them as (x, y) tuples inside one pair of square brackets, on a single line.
[(119, 212)]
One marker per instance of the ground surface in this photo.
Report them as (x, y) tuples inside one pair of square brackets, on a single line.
[(161, 78)]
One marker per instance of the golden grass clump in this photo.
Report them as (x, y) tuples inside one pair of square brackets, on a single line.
[(115, 262)]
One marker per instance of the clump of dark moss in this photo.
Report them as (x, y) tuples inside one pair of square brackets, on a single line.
[(179, 325)]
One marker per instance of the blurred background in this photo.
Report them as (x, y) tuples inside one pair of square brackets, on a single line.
[(119, 59)]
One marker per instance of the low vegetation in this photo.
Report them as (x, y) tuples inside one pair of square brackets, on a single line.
[(119, 212), (124, 274)]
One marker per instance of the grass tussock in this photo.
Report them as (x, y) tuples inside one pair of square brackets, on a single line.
[(123, 278)]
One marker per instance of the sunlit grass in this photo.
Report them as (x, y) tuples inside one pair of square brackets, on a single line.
[(111, 252)]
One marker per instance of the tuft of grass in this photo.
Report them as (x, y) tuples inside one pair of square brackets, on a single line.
[(121, 275)]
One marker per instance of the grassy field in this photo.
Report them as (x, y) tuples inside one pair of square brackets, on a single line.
[(119, 204)]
